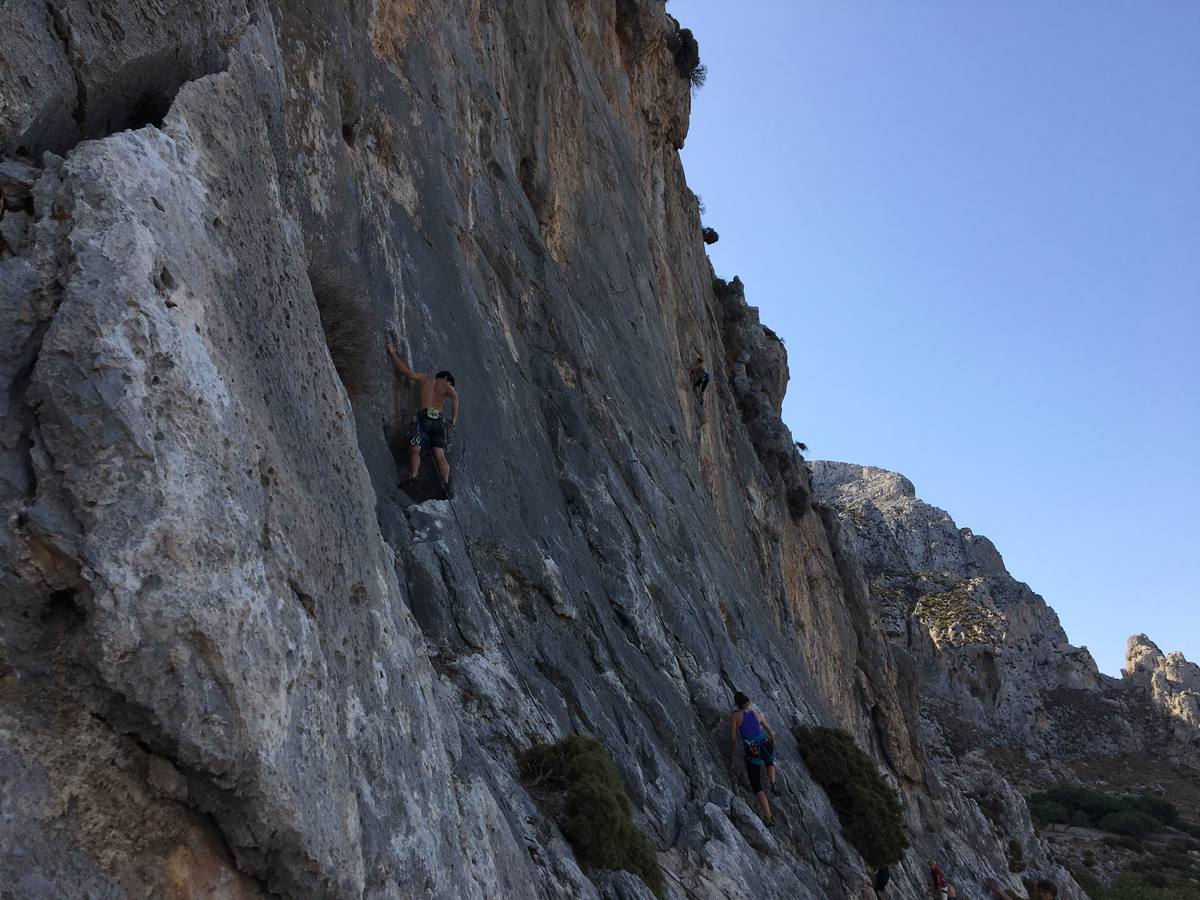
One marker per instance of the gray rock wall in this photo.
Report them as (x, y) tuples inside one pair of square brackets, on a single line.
[(237, 660)]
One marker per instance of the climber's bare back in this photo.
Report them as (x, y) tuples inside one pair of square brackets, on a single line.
[(434, 392)]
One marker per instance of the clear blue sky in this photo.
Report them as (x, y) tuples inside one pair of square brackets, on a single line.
[(977, 226)]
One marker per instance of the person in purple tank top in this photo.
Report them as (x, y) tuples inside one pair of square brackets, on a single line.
[(749, 728)]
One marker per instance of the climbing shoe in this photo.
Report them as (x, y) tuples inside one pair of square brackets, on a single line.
[(449, 489), (769, 821)]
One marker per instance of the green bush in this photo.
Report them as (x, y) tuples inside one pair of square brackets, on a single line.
[(687, 52), (595, 810), (1162, 810), (1129, 822), (866, 805), (1132, 816), (1045, 812)]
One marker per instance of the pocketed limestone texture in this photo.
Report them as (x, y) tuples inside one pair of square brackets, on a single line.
[(238, 661)]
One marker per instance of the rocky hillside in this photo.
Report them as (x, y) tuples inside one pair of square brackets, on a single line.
[(237, 661), (991, 653), (994, 661)]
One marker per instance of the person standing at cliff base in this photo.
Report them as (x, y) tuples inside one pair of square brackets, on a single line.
[(940, 887), (429, 425), (758, 749), (1043, 890)]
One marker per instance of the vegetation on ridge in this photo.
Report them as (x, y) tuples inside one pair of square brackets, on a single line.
[(581, 787), (1164, 864), (956, 612), (1133, 816)]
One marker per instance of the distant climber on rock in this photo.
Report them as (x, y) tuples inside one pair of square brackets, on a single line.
[(940, 887), (1043, 890), (429, 425), (749, 728), (699, 377)]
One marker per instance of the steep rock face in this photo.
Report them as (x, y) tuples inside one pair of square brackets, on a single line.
[(988, 646), (995, 661), (1172, 682), (237, 660)]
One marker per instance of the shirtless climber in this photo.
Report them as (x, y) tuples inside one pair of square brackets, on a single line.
[(429, 424)]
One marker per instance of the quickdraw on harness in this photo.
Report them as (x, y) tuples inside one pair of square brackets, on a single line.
[(417, 433), (754, 749)]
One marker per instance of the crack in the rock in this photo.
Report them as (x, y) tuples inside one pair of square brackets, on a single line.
[(19, 406), (451, 591), (62, 30)]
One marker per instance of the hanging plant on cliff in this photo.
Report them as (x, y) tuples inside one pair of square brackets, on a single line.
[(686, 51), (866, 805), (577, 783)]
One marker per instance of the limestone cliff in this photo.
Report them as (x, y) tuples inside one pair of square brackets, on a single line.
[(236, 660), (1005, 699), (1172, 682), (991, 652)]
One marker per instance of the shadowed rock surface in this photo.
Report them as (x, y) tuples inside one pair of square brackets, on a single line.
[(237, 661)]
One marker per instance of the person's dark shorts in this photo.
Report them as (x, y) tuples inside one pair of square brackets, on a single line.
[(701, 382), (759, 755), (426, 430)]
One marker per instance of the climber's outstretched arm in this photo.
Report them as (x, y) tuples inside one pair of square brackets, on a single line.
[(453, 407), (401, 365)]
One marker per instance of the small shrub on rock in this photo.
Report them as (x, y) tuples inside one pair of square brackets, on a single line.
[(866, 805), (686, 52), (710, 235), (591, 805)]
